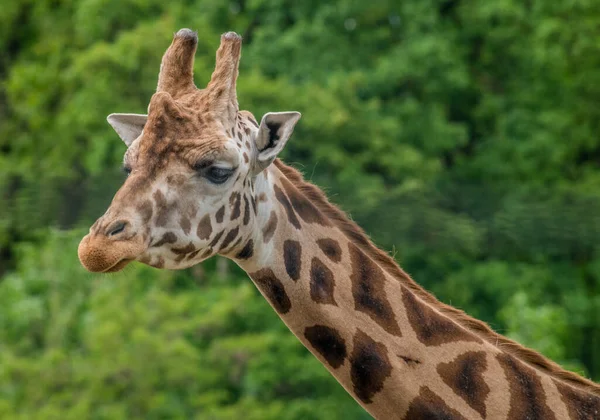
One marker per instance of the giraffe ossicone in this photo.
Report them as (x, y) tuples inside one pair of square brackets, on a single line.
[(204, 179)]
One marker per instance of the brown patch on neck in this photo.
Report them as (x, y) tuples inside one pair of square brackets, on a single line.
[(581, 406), (431, 327), (272, 289), (369, 367), (270, 227), (292, 258), (331, 248), (369, 293), (465, 376), (287, 207), (328, 343), (428, 406), (527, 396), (303, 207), (322, 283)]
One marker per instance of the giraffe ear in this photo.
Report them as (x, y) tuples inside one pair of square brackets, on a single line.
[(273, 133), (128, 126)]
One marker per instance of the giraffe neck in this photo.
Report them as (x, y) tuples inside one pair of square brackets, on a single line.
[(393, 347)]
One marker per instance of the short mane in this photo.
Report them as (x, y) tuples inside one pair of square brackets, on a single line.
[(480, 328)]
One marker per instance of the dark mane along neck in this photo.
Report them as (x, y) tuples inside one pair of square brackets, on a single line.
[(358, 237)]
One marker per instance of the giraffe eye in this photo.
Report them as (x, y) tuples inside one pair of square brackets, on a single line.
[(218, 175)]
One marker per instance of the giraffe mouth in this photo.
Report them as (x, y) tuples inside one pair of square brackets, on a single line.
[(118, 266), (101, 255)]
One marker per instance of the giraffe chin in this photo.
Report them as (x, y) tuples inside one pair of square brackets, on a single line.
[(100, 255), (118, 266)]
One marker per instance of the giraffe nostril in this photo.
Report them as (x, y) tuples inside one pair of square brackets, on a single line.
[(116, 228)]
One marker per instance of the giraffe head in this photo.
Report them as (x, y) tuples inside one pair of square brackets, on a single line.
[(192, 163)]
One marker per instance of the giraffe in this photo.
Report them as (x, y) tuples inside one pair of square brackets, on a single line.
[(204, 179)]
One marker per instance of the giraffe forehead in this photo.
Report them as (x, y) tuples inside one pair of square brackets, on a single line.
[(177, 153), (186, 129)]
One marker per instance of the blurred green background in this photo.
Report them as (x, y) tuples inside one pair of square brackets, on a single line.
[(462, 135)]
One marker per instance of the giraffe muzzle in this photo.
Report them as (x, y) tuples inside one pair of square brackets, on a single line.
[(109, 248)]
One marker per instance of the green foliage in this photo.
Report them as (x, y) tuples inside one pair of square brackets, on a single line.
[(462, 135), (149, 344)]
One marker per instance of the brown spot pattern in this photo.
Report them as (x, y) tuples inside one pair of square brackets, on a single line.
[(273, 289), (184, 250), (220, 214), (431, 327), (581, 405), (328, 343), (368, 291), (235, 244), (465, 376), (331, 248), (167, 238), (204, 229), (230, 237), (369, 367), (214, 240), (322, 283), (292, 258), (527, 396), (162, 209), (185, 224), (303, 206), (145, 211), (247, 251), (192, 255), (428, 406), (246, 210), (287, 206), (270, 227), (235, 201)]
